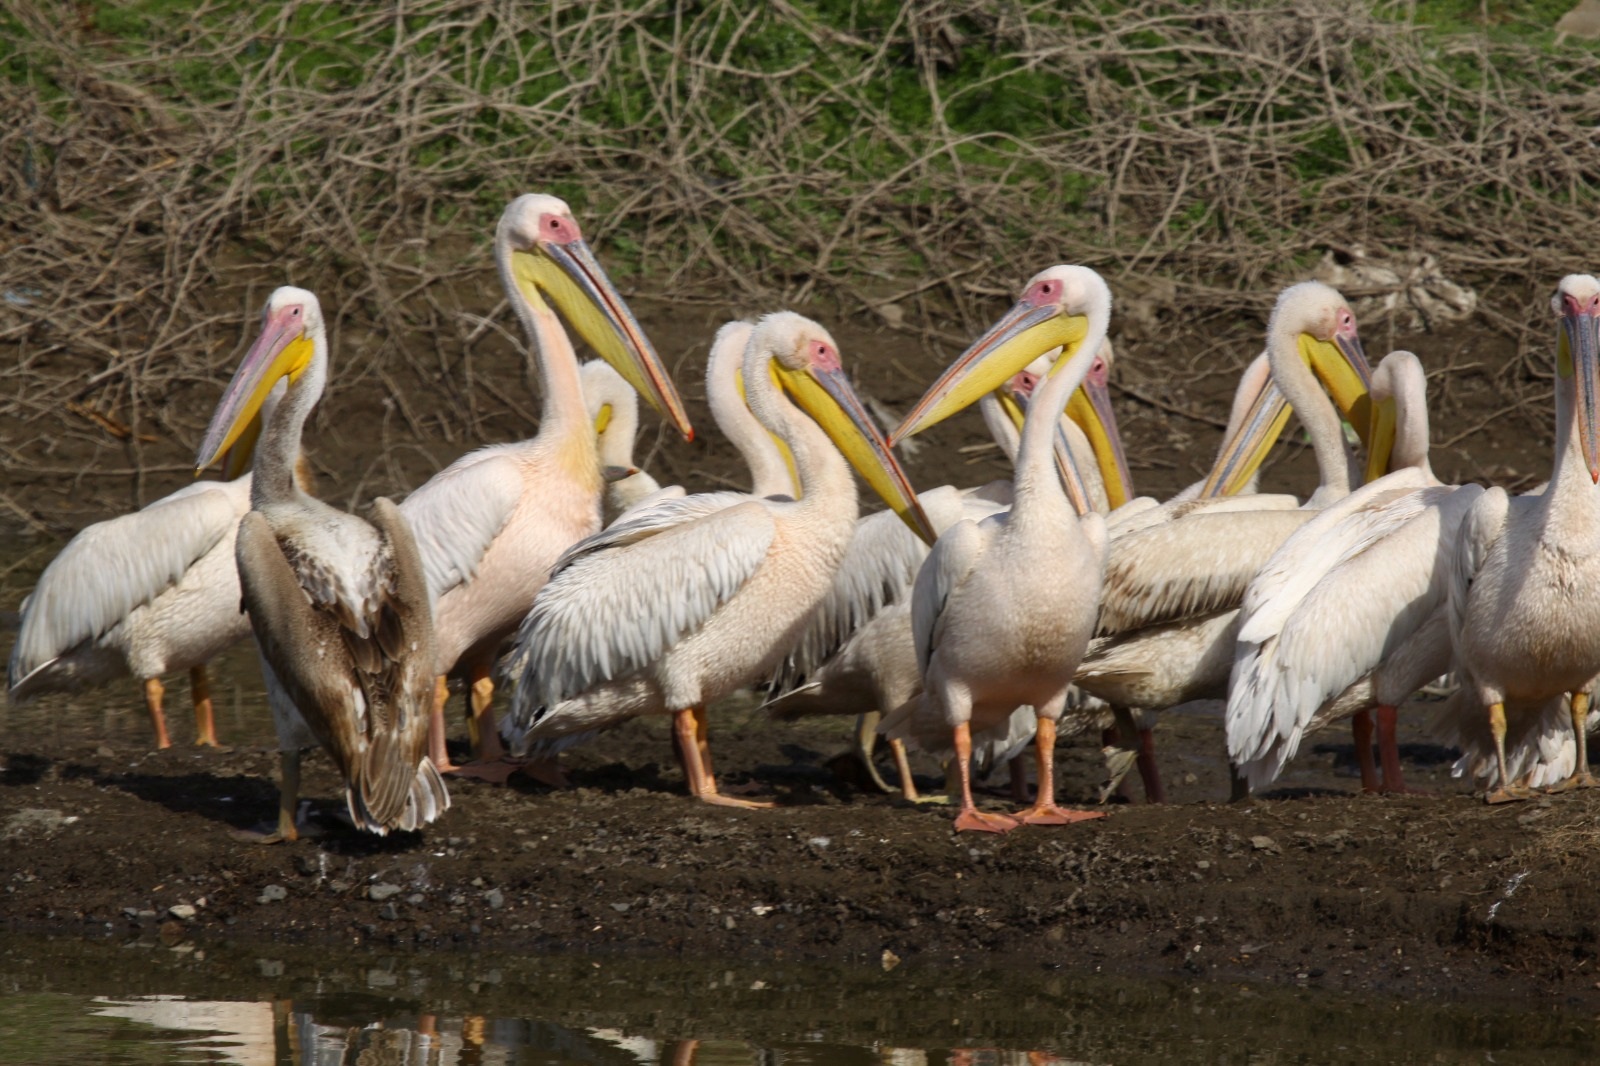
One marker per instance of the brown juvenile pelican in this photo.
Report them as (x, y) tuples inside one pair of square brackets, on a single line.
[(339, 605)]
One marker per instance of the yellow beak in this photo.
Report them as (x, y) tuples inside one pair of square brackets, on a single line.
[(827, 397), (1090, 408), (1241, 455), (281, 351), (573, 279), (1341, 366), (1026, 332)]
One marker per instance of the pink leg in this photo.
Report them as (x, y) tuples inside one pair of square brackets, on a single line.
[(689, 729), (1149, 773), (205, 719), (490, 762), (438, 754), (1389, 753), (1044, 811), (152, 702), (1361, 731), (970, 818)]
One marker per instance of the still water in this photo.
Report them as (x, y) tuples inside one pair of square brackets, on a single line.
[(144, 1002)]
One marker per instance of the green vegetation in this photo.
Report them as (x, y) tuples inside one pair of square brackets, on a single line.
[(160, 159), (808, 140)]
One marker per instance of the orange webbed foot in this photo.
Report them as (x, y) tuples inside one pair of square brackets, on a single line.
[(974, 821), (1050, 814), (720, 800)]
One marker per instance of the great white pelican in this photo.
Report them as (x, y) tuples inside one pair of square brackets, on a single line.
[(145, 594), (857, 656), (990, 635), (339, 605), (491, 524), (1349, 614), (1525, 588), (673, 607)]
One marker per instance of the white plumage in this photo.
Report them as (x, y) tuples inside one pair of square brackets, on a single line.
[(677, 605), (144, 594), (1349, 612), (1525, 584), (989, 635), (1177, 573), (491, 524)]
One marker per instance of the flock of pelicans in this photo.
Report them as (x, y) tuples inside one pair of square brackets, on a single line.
[(973, 620)]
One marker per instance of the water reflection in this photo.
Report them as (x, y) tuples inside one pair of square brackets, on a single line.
[(94, 1002)]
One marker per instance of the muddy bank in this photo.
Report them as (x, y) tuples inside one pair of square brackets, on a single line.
[(1314, 885)]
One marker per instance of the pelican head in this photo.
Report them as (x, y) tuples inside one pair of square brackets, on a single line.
[(542, 252), (1317, 322), (290, 342), (1054, 311), (804, 359), (1090, 408), (1325, 330), (1577, 302)]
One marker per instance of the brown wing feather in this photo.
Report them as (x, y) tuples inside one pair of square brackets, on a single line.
[(388, 658), (398, 784)]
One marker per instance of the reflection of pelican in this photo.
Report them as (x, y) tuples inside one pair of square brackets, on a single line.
[(146, 594), (1525, 596), (243, 1033), (492, 523), (339, 606), (1349, 613), (676, 606), (990, 636), (1170, 609)]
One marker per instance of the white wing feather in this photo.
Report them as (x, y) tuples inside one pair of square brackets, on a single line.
[(1480, 530), (618, 600), (456, 514), (116, 566), (1329, 608), (952, 559), (1201, 564)]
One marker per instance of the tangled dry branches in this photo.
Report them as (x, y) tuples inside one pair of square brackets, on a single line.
[(923, 159)]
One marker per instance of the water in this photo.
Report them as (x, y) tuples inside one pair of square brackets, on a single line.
[(77, 1002)]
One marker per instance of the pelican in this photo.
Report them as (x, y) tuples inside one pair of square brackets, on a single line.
[(858, 656), (1525, 590), (989, 635), (1088, 428), (145, 594), (491, 524), (674, 607), (1350, 613), (339, 605), (1169, 615), (614, 408)]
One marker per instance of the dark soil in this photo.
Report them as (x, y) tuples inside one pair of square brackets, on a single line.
[(1312, 884)]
